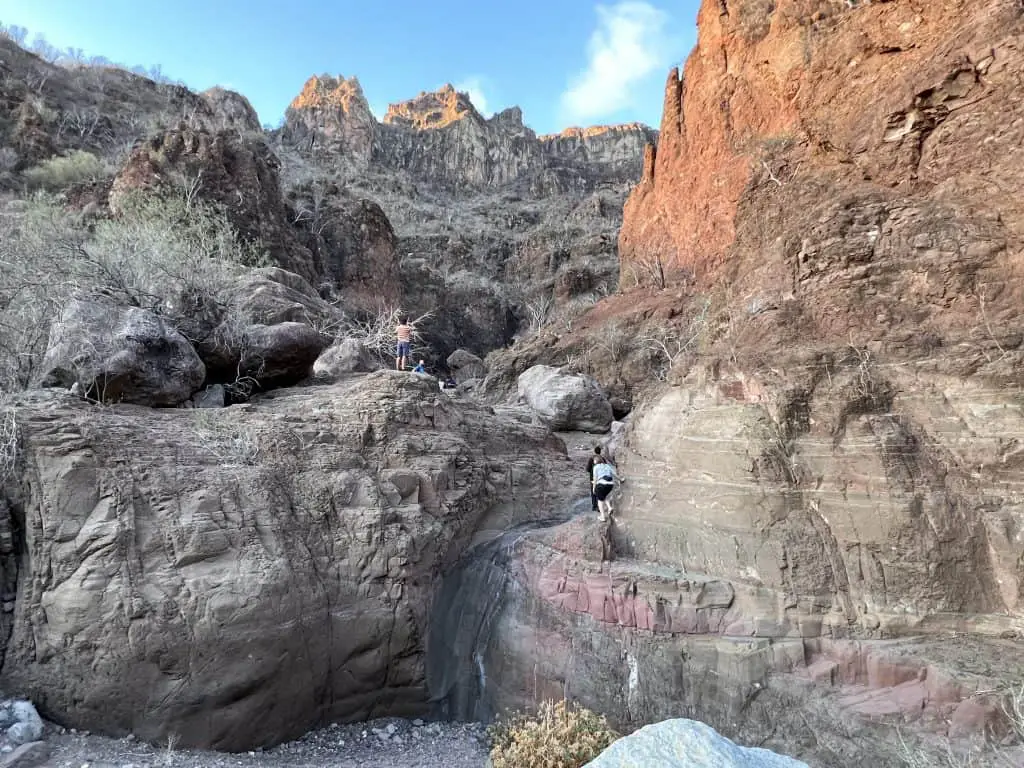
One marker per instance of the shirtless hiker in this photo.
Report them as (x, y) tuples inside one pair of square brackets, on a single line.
[(404, 334)]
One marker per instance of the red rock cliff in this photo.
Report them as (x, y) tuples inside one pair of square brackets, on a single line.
[(903, 95)]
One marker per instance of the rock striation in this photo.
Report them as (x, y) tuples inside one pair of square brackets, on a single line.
[(819, 539), (239, 576)]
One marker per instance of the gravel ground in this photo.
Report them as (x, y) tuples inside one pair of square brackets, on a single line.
[(386, 743)]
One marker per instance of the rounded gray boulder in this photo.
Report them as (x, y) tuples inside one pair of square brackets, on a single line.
[(120, 354), (565, 401)]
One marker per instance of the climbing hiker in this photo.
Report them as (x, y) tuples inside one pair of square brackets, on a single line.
[(420, 368), (603, 484), (594, 458), (404, 334)]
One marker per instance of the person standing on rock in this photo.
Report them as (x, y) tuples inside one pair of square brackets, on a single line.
[(404, 334), (603, 485), (595, 457)]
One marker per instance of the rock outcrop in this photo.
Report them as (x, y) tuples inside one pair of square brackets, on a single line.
[(99, 108), (239, 173), (441, 137), (465, 366), (494, 226), (345, 357), (239, 576)]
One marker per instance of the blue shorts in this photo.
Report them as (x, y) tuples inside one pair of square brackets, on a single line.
[(404, 349)]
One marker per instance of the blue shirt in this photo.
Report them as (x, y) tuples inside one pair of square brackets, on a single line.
[(603, 471)]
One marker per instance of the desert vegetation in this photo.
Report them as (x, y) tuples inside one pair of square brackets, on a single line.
[(560, 734), (158, 253)]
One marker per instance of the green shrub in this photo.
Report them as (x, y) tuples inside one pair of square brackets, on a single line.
[(559, 735), (59, 173)]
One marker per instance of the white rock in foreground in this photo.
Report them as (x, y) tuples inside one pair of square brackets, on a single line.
[(686, 744)]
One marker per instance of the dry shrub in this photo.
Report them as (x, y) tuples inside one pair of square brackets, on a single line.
[(160, 253), (560, 735), (991, 751), (59, 173)]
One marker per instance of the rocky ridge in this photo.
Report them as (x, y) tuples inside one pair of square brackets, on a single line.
[(518, 228)]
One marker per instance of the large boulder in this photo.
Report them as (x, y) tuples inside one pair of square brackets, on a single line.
[(121, 354), (273, 295), (282, 354), (267, 296), (681, 742), (239, 576), (565, 401), (346, 356), (465, 366)]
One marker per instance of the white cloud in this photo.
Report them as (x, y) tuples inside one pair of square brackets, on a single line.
[(630, 43), (475, 88)]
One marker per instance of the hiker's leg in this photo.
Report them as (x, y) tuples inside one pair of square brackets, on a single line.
[(602, 511), (593, 500)]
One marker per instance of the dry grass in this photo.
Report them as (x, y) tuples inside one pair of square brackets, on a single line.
[(560, 735)]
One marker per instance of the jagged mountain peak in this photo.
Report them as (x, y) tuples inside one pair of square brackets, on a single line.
[(331, 91), (432, 109)]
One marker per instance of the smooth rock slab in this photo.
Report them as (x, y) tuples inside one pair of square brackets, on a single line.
[(685, 743)]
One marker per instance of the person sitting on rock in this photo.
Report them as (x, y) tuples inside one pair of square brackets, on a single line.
[(404, 333), (604, 478), (420, 367)]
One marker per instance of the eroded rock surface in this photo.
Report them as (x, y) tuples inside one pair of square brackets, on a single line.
[(239, 576)]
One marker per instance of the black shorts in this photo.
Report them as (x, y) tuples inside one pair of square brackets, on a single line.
[(602, 490)]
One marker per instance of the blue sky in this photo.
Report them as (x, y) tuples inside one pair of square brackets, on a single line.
[(565, 62)]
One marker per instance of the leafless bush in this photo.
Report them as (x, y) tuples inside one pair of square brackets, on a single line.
[(987, 752), (616, 341), (14, 33), (59, 173), (538, 309), (647, 267), (673, 344), (156, 254), (375, 331), (230, 444), (83, 122), (9, 442)]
